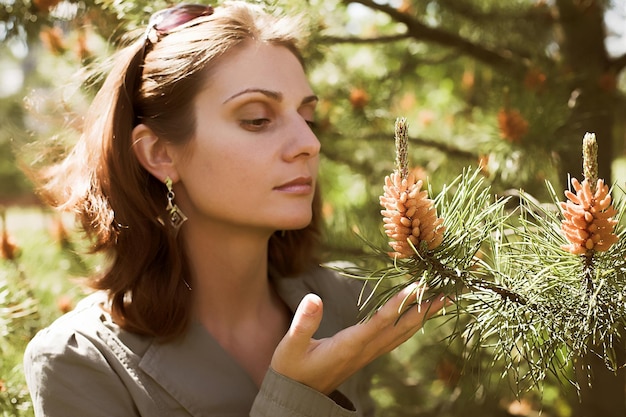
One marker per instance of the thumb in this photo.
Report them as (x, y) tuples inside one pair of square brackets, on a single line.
[(305, 322)]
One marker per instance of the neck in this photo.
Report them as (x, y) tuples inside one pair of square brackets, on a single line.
[(233, 298), (229, 276)]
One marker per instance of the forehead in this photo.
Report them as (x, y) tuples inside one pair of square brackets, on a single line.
[(256, 65)]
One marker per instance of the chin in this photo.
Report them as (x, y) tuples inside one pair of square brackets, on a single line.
[(295, 223)]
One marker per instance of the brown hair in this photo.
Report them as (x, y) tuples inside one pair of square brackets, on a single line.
[(120, 205)]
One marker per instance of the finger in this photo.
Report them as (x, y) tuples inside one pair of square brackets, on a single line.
[(405, 315), (305, 323), (394, 308), (415, 316), (432, 307), (418, 313), (389, 314)]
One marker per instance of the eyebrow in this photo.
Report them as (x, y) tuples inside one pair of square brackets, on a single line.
[(274, 95)]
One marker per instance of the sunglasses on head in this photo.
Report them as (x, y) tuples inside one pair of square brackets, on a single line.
[(163, 21)]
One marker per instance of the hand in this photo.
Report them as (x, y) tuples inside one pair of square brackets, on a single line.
[(326, 363)]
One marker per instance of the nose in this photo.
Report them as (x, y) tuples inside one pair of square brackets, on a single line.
[(303, 142)]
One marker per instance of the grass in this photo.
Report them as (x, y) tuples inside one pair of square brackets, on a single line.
[(37, 285)]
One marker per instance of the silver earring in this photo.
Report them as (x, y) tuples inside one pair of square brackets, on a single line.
[(176, 216)]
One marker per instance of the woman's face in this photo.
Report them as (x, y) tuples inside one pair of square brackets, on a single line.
[(253, 161)]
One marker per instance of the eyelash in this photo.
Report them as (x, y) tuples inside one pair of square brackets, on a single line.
[(258, 124), (255, 124)]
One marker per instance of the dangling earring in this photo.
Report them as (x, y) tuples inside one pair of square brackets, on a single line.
[(177, 217)]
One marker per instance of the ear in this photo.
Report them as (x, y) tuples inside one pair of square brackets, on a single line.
[(153, 153)]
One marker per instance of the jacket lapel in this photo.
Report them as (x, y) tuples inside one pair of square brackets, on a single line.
[(200, 375)]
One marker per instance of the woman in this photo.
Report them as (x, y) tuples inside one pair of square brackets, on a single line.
[(196, 173)]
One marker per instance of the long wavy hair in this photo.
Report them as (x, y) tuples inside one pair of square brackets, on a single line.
[(120, 205)]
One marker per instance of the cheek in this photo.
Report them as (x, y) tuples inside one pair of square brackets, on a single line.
[(220, 170)]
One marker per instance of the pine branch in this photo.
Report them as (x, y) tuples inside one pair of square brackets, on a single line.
[(535, 305), (504, 59)]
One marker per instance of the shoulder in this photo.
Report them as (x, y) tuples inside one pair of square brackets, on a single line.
[(61, 334), (67, 346), (79, 363), (85, 335)]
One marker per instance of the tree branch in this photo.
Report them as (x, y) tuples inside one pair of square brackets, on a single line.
[(451, 151), (417, 30), (536, 12), (619, 63), (357, 40)]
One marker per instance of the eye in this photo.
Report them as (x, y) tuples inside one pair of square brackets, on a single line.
[(255, 125), (307, 112)]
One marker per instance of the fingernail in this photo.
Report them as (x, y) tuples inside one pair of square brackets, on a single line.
[(311, 307), (411, 288)]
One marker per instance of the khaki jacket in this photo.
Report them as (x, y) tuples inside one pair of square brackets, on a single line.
[(84, 365)]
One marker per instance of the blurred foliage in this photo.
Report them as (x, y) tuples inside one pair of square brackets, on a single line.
[(40, 268), (18, 322), (512, 86)]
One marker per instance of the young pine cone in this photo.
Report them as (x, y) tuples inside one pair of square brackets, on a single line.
[(409, 215), (589, 222)]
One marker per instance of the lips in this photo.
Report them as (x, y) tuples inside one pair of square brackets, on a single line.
[(300, 185)]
